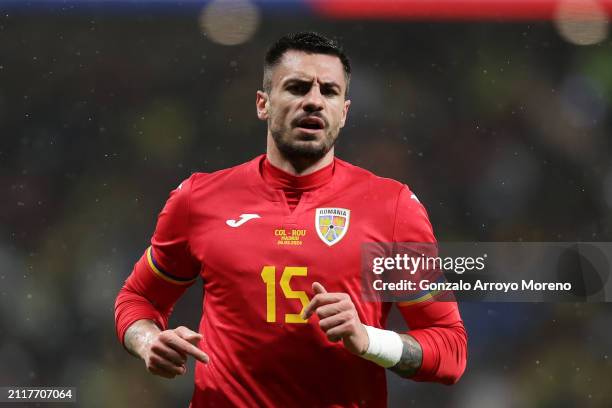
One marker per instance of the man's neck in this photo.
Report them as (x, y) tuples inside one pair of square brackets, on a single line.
[(296, 167)]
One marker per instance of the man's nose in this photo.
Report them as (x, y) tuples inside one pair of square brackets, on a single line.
[(313, 100)]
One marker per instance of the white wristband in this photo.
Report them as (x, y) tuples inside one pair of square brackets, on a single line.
[(385, 348)]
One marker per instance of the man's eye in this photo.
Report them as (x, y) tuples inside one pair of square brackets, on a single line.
[(330, 92), (297, 89)]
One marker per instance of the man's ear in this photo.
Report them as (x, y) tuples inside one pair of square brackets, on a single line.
[(261, 103), (347, 103)]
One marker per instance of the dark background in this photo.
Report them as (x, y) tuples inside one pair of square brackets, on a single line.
[(502, 129)]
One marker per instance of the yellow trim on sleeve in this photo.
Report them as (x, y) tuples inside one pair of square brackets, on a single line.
[(420, 299), (163, 275)]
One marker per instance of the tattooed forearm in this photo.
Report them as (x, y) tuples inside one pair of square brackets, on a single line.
[(412, 356)]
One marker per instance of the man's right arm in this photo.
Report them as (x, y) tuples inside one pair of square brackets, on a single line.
[(164, 352), (159, 278), (142, 310)]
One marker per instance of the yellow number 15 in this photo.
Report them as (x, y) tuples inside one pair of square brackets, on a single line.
[(268, 274)]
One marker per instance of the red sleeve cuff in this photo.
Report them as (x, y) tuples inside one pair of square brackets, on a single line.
[(444, 354)]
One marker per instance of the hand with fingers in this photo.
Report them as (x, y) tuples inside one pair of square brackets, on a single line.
[(166, 354), (338, 319)]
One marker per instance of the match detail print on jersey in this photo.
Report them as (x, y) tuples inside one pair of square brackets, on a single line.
[(332, 224)]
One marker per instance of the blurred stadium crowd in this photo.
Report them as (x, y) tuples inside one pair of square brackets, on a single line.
[(504, 131)]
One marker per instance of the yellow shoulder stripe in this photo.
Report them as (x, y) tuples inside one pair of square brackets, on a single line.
[(164, 275), (420, 299)]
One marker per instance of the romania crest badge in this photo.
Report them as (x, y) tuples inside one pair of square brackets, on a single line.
[(332, 224)]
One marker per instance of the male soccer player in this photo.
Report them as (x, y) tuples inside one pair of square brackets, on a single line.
[(277, 244)]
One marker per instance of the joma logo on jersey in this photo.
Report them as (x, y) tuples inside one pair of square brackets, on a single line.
[(332, 224)]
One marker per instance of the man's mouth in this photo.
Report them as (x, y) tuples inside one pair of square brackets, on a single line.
[(311, 122)]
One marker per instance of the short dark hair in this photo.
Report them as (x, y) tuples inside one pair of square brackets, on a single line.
[(306, 41)]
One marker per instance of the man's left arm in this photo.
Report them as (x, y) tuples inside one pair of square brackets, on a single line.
[(434, 350), (435, 347)]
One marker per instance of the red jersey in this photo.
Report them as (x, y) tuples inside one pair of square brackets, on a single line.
[(258, 257)]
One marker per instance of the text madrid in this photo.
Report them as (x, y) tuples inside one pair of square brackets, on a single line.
[(424, 284)]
